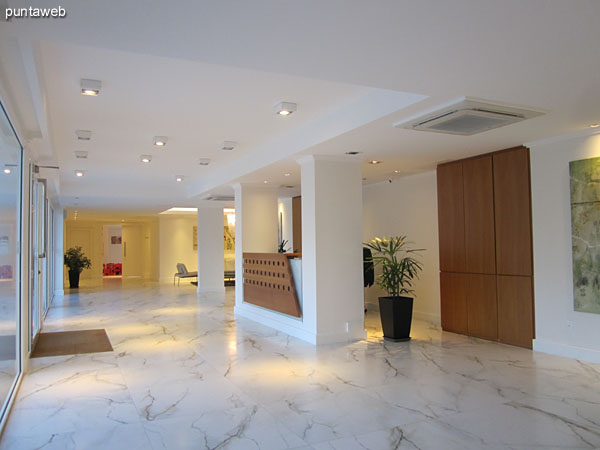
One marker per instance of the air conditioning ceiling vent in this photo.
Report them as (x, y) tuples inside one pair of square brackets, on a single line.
[(468, 116), (219, 198)]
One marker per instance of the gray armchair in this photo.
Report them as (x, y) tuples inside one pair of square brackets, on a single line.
[(182, 272)]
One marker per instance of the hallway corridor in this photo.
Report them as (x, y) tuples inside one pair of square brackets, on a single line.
[(186, 374)]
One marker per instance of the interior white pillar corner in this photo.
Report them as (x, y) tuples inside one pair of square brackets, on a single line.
[(255, 227), (332, 266), (59, 226), (211, 262)]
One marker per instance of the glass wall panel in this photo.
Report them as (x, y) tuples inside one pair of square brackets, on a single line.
[(10, 200)]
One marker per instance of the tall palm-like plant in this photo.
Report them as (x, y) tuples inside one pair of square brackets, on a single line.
[(399, 265)]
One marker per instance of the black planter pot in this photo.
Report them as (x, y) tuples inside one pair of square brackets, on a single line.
[(74, 278), (396, 317)]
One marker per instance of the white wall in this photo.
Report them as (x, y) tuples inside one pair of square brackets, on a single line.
[(408, 206), (550, 186), (285, 208), (175, 237), (112, 252)]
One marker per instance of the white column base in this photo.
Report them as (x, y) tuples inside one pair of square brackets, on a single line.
[(216, 290), (296, 327)]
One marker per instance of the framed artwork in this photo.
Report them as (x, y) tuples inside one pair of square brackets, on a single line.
[(585, 234), (115, 239)]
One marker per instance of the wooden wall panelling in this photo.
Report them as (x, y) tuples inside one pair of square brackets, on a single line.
[(515, 310), (512, 212), (297, 223), (482, 307), (451, 217), (268, 282), (479, 215), (454, 302)]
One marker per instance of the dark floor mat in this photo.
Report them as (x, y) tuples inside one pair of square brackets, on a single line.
[(71, 343)]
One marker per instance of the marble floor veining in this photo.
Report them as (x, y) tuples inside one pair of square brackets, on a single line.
[(186, 374)]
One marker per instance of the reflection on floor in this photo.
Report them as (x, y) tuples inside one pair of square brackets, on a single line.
[(186, 374)]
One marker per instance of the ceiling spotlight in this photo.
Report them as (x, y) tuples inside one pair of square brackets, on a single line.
[(81, 154), (285, 108), (286, 174), (83, 135), (228, 145), (352, 153), (179, 178), (146, 158), (595, 125), (160, 141), (374, 161), (7, 170), (204, 161), (90, 87), (79, 173)]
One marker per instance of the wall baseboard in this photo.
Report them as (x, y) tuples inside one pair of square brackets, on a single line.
[(428, 317), (553, 348)]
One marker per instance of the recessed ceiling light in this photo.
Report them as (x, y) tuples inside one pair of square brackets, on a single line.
[(352, 153), (83, 135), (146, 158), (179, 178), (81, 154), (286, 174), (285, 108), (396, 171), (228, 145), (79, 173), (374, 161), (266, 181), (90, 87), (364, 179), (595, 125), (204, 161), (160, 141), (7, 170)]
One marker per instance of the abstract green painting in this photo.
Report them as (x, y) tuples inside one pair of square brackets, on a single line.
[(585, 232)]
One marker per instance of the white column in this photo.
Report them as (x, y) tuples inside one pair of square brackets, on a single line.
[(211, 257), (255, 227), (59, 235), (332, 266)]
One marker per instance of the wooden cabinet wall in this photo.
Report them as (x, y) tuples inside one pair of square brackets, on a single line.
[(484, 218)]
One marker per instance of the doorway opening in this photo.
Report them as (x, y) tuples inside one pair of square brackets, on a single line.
[(112, 263)]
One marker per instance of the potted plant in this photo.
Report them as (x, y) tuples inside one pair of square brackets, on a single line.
[(399, 267), (76, 261)]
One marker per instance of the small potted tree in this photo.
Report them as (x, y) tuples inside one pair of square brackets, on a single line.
[(76, 261), (399, 267)]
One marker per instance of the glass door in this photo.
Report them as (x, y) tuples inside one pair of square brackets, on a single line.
[(10, 260)]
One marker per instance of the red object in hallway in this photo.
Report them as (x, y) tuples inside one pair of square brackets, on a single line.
[(112, 269)]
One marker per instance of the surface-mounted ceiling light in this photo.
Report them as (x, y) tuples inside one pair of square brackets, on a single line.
[(595, 125), (81, 154), (374, 161), (79, 173), (90, 87), (204, 161), (7, 170), (179, 178), (285, 108), (286, 174), (83, 135), (228, 145), (160, 141), (146, 158)]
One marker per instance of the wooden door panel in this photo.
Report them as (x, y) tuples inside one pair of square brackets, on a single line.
[(479, 215), (512, 212), (454, 302), (515, 310), (297, 224), (482, 308), (451, 218)]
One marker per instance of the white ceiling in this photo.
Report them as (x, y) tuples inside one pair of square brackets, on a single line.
[(206, 71)]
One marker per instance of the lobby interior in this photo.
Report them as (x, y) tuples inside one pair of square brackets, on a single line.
[(211, 134)]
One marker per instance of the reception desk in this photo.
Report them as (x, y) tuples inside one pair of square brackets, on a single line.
[(273, 280)]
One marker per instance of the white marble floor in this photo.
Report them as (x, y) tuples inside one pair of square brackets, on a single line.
[(185, 374)]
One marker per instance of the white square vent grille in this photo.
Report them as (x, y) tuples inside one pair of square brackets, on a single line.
[(468, 117)]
